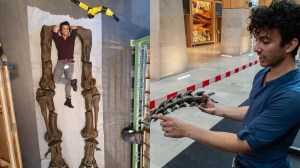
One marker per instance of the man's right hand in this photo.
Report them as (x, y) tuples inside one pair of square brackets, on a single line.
[(173, 127)]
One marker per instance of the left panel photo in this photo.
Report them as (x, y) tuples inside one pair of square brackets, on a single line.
[(75, 84)]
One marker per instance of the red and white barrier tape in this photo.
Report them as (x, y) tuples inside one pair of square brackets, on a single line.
[(154, 103)]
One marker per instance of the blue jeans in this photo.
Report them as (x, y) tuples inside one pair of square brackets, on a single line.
[(59, 70)]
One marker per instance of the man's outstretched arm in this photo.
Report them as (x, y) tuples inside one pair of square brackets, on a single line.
[(234, 113), (221, 140)]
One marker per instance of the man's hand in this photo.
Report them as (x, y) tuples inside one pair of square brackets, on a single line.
[(55, 29), (221, 140), (173, 127), (210, 106), (234, 113)]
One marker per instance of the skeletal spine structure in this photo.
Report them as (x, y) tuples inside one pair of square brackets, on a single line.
[(45, 94), (181, 100)]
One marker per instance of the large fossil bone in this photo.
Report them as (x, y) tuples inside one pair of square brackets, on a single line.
[(85, 36), (56, 134), (46, 81), (89, 150), (181, 100), (89, 131), (44, 97), (46, 42), (56, 157), (92, 98), (87, 80), (96, 100)]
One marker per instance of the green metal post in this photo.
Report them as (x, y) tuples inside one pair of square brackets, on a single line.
[(137, 44)]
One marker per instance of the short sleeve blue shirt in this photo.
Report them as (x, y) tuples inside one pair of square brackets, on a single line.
[(272, 120)]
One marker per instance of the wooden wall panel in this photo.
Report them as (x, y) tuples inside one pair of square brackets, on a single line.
[(188, 30), (237, 4), (268, 2), (264, 2), (234, 4), (226, 4)]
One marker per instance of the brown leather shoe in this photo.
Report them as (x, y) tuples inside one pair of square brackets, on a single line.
[(68, 103), (74, 84)]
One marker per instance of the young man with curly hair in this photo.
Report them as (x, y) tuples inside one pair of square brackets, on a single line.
[(272, 120)]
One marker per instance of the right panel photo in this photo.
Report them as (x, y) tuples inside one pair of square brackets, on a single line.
[(224, 83)]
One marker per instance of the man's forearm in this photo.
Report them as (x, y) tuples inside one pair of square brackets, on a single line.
[(237, 113), (220, 140), (73, 27)]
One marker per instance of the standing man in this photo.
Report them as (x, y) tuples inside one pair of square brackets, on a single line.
[(65, 43), (272, 120)]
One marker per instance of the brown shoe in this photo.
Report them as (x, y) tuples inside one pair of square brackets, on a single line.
[(74, 84), (68, 103)]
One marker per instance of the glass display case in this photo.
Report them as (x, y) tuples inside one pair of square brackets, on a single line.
[(202, 21), (202, 13)]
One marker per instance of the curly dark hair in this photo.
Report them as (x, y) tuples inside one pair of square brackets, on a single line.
[(283, 15), (64, 23)]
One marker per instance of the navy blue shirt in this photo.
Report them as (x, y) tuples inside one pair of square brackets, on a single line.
[(272, 120), (65, 48)]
